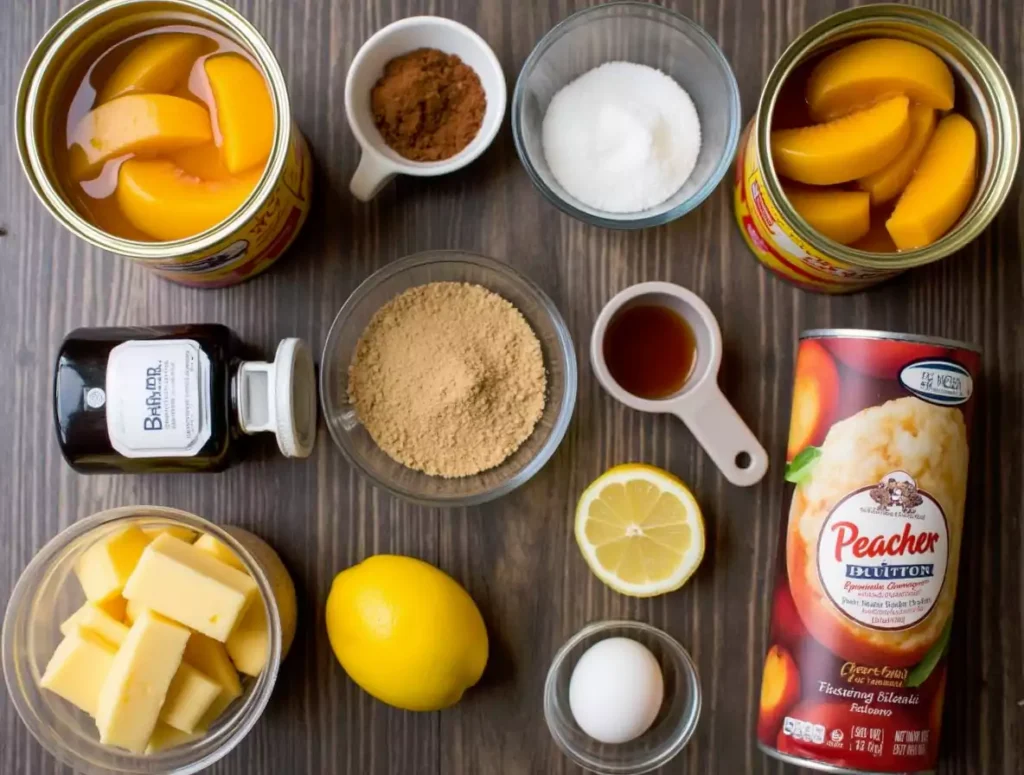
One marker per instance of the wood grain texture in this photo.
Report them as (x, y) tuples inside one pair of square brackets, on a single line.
[(516, 557)]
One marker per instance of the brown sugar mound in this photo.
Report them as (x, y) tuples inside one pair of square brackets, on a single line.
[(448, 378), (428, 105)]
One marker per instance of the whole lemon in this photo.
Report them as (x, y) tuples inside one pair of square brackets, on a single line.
[(406, 632)]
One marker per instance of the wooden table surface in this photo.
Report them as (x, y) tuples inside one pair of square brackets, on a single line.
[(516, 557)]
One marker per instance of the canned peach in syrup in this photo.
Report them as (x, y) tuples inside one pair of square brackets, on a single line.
[(878, 448), (784, 242)]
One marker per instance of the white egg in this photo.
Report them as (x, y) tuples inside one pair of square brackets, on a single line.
[(616, 690)]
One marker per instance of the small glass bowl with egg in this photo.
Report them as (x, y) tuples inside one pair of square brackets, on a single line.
[(622, 698), (49, 591)]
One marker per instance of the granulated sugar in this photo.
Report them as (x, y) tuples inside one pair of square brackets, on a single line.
[(622, 137), (448, 378)]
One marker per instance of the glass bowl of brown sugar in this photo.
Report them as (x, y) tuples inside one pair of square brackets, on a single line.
[(448, 378)]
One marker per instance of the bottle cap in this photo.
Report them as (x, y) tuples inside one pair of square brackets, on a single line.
[(281, 397)]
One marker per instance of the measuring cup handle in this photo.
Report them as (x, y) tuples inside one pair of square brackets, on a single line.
[(724, 435), (371, 176)]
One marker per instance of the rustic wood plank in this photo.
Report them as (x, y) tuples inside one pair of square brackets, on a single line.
[(517, 557)]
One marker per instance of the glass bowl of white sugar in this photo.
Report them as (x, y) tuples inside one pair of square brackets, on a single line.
[(626, 115)]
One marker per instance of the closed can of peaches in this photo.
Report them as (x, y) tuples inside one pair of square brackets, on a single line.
[(75, 64), (783, 240), (855, 673)]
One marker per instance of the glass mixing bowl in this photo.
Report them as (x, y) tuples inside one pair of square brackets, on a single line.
[(447, 266), (47, 593), (648, 35), (672, 728)]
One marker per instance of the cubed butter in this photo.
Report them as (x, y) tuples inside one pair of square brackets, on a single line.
[(165, 736), (186, 584), (93, 618), (220, 550), (186, 534), (280, 581), (78, 668), (132, 611), (106, 565), (211, 658), (189, 697), (135, 688), (247, 643), (115, 606)]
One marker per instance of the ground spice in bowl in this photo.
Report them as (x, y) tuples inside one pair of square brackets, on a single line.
[(428, 105), (448, 378)]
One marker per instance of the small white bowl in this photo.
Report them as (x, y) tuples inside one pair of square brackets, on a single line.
[(379, 164)]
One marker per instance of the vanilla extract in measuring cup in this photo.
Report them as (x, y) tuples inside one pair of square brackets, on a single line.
[(650, 350), (177, 398)]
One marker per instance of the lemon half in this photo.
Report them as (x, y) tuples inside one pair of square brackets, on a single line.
[(640, 530)]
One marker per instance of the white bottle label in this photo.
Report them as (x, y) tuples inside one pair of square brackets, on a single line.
[(882, 553), (158, 398)]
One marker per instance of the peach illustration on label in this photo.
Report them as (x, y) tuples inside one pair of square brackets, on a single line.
[(815, 393), (780, 689)]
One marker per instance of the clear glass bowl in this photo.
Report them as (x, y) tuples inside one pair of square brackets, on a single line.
[(48, 592), (671, 730), (447, 266), (645, 34)]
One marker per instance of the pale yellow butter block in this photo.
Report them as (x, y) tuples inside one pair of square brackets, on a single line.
[(247, 643), (96, 620), (220, 550), (186, 534), (211, 658), (189, 696), (165, 736), (115, 606), (105, 566), (136, 686), (132, 611), (78, 668), (186, 584), (280, 581)]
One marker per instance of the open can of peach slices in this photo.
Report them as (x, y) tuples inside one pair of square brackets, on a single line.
[(862, 608), (216, 181), (785, 241)]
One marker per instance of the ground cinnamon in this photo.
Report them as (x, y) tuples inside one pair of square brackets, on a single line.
[(428, 105)]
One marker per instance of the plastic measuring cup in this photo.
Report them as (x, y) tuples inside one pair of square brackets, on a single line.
[(699, 403)]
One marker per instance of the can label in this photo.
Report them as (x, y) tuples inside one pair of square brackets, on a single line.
[(158, 398), (866, 578), (777, 244), (258, 243)]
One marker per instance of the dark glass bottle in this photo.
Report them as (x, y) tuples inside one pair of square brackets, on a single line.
[(176, 398)]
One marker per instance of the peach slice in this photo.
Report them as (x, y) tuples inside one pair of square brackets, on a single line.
[(889, 181), (780, 689), (135, 124), (815, 395), (164, 202), (205, 162), (843, 216), (877, 239), (845, 149), (245, 113), (158, 64), (868, 71), (941, 187)]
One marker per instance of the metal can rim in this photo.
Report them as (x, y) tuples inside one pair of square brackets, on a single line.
[(867, 333), (1006, 158), (28, 96)]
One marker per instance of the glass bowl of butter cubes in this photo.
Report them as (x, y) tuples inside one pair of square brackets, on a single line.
[(146, 640)]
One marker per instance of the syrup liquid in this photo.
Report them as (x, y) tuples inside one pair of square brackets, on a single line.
[(650, 351), (94, 199)]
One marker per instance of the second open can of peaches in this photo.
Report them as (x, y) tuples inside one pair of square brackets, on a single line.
[(783, 241), (876, 473), (250, 238)]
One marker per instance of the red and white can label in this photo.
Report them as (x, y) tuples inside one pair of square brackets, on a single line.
[(882, 554)]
